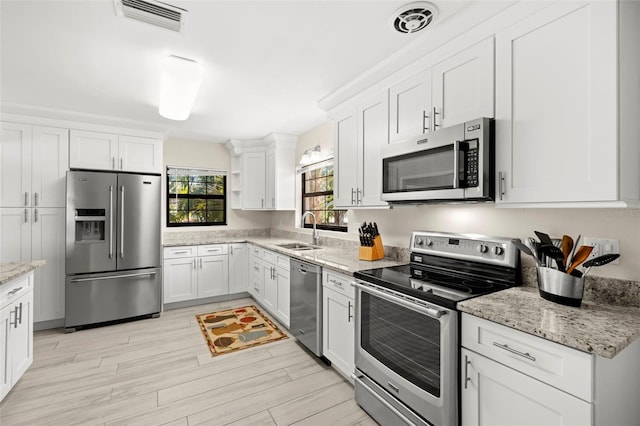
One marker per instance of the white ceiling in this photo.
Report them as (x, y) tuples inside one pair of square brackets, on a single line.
[(267, 63)]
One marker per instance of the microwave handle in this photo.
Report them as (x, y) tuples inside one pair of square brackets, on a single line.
[(456, 164)]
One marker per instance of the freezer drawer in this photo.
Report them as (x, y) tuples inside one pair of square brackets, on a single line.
[(96, 298)]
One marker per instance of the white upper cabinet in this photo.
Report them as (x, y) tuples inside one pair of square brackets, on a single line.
[(410, 107), (34, 162), (360, 132), (105, 151), (463, 86), (254, 190), (566, 106)]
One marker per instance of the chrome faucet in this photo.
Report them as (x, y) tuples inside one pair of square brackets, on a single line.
[(316, 238)]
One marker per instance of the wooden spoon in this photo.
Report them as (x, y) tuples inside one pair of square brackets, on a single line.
[(567, 246), (581, 255)]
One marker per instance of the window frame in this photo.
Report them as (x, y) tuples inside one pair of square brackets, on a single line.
[(305, 195), (189, 196)]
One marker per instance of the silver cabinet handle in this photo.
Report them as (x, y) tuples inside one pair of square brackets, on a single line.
[(120, 163), (353, 196), (26, 199), (335, 282), (435, 123), (501, 185), (14, 291), (217, 249), (110, 221), (122, 222), (231, 250), (349, 315), (425, 116), (506, 347), (26, 215), (181, 252), (467, 379), (456, 164), (273, 202), (200, 263), (113, 163), (358, 196), (35, 215), (20, 318), (15, 318), (35, 199), (262, 202)]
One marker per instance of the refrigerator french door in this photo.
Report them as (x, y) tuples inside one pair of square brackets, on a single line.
[(112, 247)]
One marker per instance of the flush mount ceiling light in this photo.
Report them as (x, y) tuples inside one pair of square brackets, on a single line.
[(413, 17), (179, 83)]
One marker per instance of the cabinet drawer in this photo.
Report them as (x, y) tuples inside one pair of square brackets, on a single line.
[(256, 252), (340, 283), (560, 366), (213, 249), (14, 289), (178, 252), (256, 270), (269, 256), (282, 261)]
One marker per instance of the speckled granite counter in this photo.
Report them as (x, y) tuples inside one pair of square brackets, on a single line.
[(598, 328), (341, 259), (9, 271)]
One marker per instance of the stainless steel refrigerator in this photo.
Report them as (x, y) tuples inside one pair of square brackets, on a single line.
[(113, 247)]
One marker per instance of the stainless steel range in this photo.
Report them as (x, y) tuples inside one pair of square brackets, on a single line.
[(407, 325)]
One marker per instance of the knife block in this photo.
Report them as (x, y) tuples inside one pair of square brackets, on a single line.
[(372, 253)]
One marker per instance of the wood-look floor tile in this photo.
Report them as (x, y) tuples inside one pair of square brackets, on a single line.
[(263, 418), (345, 414)]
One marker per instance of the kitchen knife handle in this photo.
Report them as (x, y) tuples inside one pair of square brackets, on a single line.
[(122, 222), (110, 221)]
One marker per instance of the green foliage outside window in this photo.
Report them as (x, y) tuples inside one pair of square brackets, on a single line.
[(196, 200), (317, 196)]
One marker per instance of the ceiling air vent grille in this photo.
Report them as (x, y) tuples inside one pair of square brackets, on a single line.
[(153, 12), (413, 17)]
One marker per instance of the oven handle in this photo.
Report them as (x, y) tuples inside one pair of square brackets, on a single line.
[(431, 312), (381, 400)]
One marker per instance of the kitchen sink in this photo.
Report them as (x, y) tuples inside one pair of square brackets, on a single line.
[(298, 246)]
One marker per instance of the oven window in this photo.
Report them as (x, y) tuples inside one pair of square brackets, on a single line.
[(403, 340), (419, 171)]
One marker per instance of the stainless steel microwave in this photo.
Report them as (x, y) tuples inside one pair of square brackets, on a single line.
[(452, 164)]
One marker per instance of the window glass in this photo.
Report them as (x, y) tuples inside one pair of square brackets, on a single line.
[(196, 200), (317, 197)]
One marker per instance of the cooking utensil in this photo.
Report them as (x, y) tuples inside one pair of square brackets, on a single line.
[(599, 261), (576, 244), (523, 248), (554, 253), (566, 246), (533, 246), (581, 255), (544, 238)]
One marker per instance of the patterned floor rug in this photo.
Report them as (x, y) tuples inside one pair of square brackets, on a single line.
[(238, 328)]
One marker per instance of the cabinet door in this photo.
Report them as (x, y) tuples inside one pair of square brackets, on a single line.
[(22, 336), (253, 180), (556, 103), (338, 330), (15, 165), (270, 288), (213, 276), (238, 268), (463, 85), (409, 107), (493, 395), (15, 235), (142, 155), (270, 178), (180, 279), (93, 150), (48, 242), (50, 162), (345, 169), (283, 289), (6, 316), (373, 134), (256, 287)]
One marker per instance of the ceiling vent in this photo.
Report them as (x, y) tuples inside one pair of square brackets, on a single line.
[(153, 12), (413, 17)]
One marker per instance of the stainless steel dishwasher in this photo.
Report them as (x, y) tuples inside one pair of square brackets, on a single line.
[(306, 304)]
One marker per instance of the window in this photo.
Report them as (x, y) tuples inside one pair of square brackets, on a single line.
[(196, 197), (317, 197)]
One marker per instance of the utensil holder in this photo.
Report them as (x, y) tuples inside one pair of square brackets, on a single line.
[(559, 287), (372, 253)]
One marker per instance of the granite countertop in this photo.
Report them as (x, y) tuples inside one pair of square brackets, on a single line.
[(9, 271), (597, 328), (344, 260)]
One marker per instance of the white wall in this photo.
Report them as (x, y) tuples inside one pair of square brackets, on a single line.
[(397, 224), (211, 156)]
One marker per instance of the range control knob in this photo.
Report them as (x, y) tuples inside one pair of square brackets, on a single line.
[(483, 248), (428, 242), (419, 241), (497, 250)]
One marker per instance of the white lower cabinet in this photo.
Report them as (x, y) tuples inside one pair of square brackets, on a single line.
[(270, 283), (16, 330), (238, 268), (338, 328), (509, 377), (195, 272)]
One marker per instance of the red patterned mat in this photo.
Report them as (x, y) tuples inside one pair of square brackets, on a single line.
[(239, 328)]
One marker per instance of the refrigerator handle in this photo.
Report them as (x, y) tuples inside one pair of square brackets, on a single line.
[(122, 222), (110, 221)]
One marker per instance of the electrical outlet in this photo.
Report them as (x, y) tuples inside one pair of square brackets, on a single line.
[(354, 228), (602, 246)]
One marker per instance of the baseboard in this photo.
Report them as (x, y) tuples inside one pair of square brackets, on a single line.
[(204, 301), (47, 325)]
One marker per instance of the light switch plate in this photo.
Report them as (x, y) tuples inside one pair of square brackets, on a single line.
[(602, 246)]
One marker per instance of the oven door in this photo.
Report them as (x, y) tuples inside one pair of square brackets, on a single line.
[(408, 347)]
